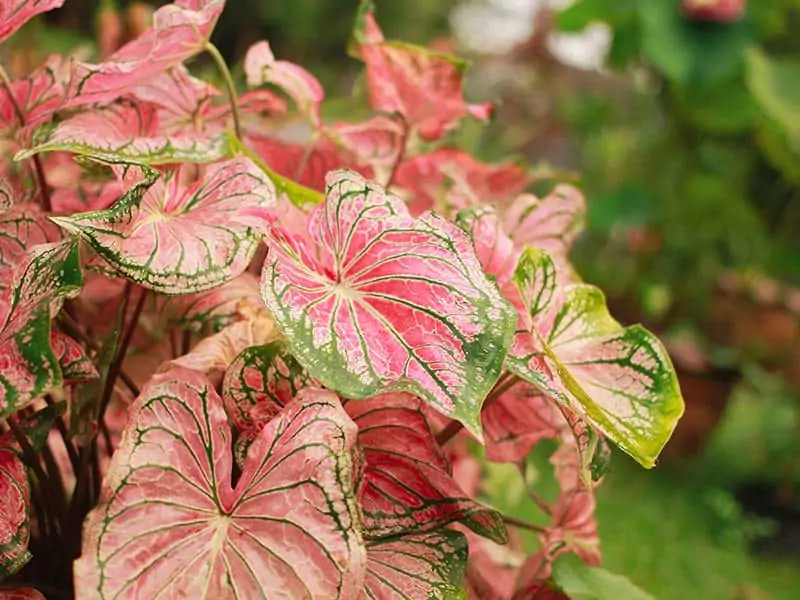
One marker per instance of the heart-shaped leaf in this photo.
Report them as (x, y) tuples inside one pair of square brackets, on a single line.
[(389, 302), (422, 565), (28, 366), (178, 239), (170, 523), (179, 31), (14, 525), (422, 85), (15, 13), (407, 485), (620, 380)]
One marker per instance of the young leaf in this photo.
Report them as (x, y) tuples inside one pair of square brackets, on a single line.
[(421, 565), (125, 132), (260, 67), (28, 368), (179, 31), (178, 239), (422, 85), (407, 485), (14, 525), (15, 13), (583, 582), (76, 367), (169, 521), (389, 302), (620, 380)]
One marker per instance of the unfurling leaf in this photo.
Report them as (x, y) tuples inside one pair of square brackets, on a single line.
[(15, 13), (620, 380), (407, 485), (421, 565), (14, 525), (388, 303), (170, 523), (178, 239)]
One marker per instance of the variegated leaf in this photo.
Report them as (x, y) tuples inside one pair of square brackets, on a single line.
[(302, 87), (422, 85), (125, 131), (22, 227), (37, 96), (180, 30), (376, 142), (421, 565), (407, 485), (28, 366), (76, 366), (14, 525), (388, 303), (15, 13), (178, 239), (620, 380), (8, 195), (170, 523)]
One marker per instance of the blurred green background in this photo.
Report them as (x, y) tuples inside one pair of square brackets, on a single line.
[(684, 133)]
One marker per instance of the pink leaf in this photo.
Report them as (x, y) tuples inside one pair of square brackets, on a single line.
[(376, 142), (169, 521), (22, 227), (302, 87), (14, 526), (422, 85), (386, 302), (448, 179), (407, 486), (492, 569), (179, 31), (179, 239), (420, 565), (8, 194), (38, 95), (15, 13), (76, 366)]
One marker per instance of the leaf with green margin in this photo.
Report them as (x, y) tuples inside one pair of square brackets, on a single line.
[(691, 52), (14, 524), (125, 131), (775, 84), (582, 582), (174, 238), (422, 565), (42, 277), (76, 366), (22, 227), (620, 380), (386, 302)]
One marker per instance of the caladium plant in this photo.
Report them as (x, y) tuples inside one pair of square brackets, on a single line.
[(234, 365)]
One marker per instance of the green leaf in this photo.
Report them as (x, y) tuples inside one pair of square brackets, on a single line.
[(579, 581), (776, 86)]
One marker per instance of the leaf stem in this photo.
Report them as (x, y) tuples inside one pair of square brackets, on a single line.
[(504, 383), (222, 66), (37, 163), (61, 426), (400, 155), (522, 524)]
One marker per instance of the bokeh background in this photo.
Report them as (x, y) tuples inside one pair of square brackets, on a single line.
[(680, 120)]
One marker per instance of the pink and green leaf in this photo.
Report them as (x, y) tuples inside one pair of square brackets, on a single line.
[(76, 366), (386, 302), (288, 527), (175, 238), (22, 226), (15, 13), (620, 380), (37, 96), (14, 524), (418, 565), (407, 485)]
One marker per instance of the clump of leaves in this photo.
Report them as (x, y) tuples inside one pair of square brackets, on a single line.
[(235, 365)]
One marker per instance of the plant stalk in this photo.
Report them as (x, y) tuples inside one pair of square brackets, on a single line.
[(222, 66)]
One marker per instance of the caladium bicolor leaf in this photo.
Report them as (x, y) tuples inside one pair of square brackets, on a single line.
[(389, 303), (125, 131), (180, 30), (8, 195), (287, 528), (423, 86), (178, 239), (14, 525), (28, 366), (37, 96), (259, 383), (22, 226), (76, 366), (217, 307), (15, 13), (22, 593), (491, 568), (422, 565), (407, 485), (302, 87), (620, 380), (376, 142), (449, 179)]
